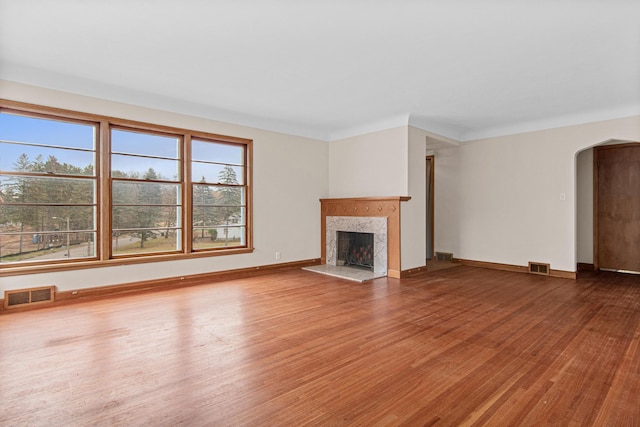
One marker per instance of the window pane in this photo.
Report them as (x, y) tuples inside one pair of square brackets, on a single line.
[(147, 193), (205, 216), (45, 190), (145, 144), (212, 173), (123, 166), (37, 159), (217, 152), (217, 195), (218, 237), (138, 217), (46, 246), (28, 231), (230, 196), (44, 218), (47, 132), (127, 242)]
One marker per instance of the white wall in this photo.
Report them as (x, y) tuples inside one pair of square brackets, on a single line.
[(413, 231), (510, 209), (374, 164), (584, 206), (290, 174), (386, 163), (392, 163), (496, 200)]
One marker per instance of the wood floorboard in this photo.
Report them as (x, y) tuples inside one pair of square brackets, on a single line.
[(459, 346)]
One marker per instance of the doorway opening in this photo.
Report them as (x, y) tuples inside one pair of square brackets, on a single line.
[(430, 202)]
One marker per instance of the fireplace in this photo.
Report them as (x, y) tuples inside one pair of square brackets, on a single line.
[(355, 249), (379, 216), (345, 228)]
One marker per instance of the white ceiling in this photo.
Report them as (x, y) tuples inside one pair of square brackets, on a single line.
[(333, 68)]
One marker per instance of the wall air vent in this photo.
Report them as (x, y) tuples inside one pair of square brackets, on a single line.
[(23, 297), (444, 256), (539, 268)]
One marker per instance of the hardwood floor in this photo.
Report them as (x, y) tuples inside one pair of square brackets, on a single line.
[(460, 346)]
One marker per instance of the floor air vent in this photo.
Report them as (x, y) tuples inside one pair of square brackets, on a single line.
[(443, 256), (22, 297), (539, 268)]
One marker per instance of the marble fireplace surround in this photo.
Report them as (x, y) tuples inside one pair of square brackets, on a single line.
[(387, 208), (374, 225)]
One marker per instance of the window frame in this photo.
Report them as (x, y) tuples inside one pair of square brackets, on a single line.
[(179, 182), (103, 247), (194, 184)]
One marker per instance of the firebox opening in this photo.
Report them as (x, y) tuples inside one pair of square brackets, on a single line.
[(355, 249)]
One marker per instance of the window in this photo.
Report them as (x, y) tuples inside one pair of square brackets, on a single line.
[(146, 192), (48, 209), (78, 188), (219, 197)]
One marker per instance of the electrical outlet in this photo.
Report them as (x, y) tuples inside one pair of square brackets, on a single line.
[(277, 254)]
